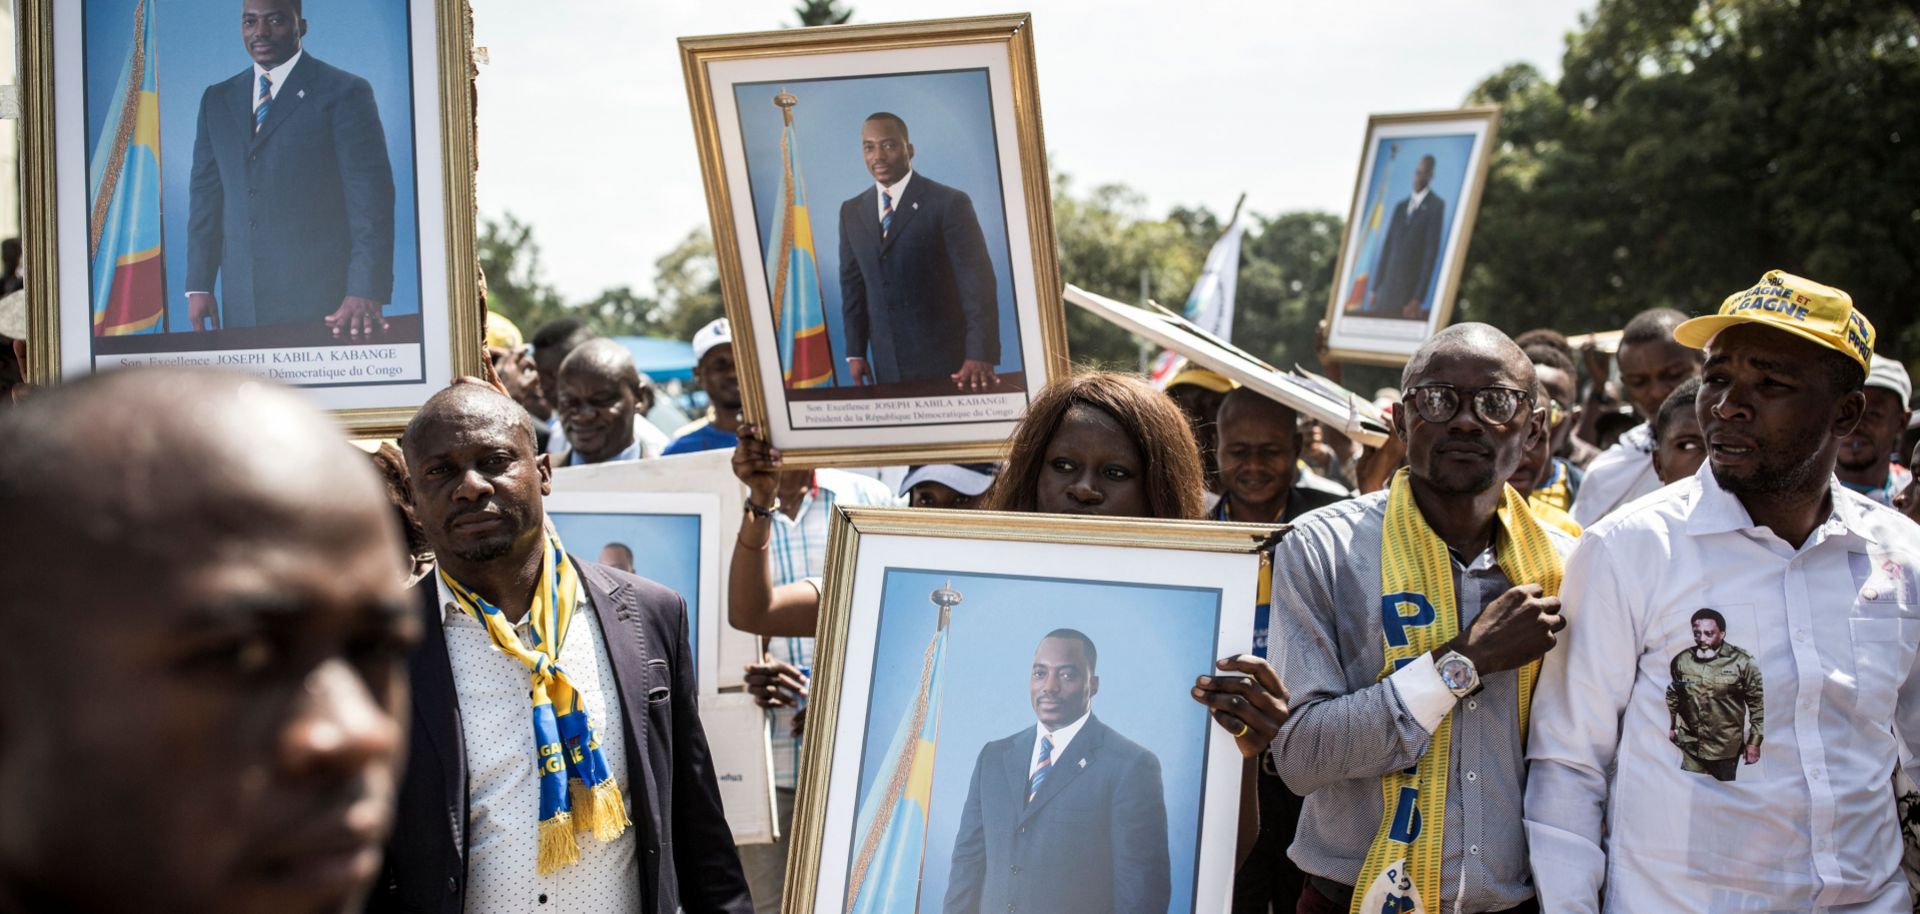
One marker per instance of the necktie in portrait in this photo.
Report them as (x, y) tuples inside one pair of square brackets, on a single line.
[(886, 214), (266, 101), (1040, 769)]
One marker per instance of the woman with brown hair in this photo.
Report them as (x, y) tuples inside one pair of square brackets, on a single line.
[(1102, 443), (1092, 443)]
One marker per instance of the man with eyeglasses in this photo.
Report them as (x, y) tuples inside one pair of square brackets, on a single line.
[(1415, 616), (603, 405), (1635, 801)]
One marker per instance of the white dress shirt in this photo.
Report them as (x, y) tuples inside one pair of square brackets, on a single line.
[(277, 76), (1060, 738), (1415, 199), (893, 190), (1618, 475), (504, 787), (1832, 626)]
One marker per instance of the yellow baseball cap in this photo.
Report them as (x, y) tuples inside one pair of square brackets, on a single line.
[(1800, 306), (1202, 377), (502, 333)]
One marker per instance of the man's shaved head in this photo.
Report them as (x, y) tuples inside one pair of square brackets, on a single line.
[(205, 582), (467, 404), (1482, 340), (1245, 402), (145, 469), (602, 358)]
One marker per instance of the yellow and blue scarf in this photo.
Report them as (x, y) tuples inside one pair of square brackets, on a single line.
[(1402, 871), (577, 790)]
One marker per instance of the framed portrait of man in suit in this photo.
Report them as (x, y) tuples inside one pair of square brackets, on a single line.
[(1000, 715), (884, 233), (281, 187), (1406, 238)]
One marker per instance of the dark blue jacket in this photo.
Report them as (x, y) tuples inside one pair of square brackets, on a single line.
[(923, 300), (300, 215), (1093, 841), (1412, 249), (687, 861)]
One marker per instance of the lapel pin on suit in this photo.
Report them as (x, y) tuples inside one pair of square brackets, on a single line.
[(916, 205), (1083, 763), (300, 94)]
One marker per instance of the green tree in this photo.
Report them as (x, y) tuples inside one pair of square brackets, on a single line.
[(687, 280), (516, 285), (1106, 243), (1691, 146), (822, 12)]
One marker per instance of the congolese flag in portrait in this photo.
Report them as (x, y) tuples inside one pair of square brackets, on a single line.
[(892, 823), (123, 227), (806, 355), (1374, 223)]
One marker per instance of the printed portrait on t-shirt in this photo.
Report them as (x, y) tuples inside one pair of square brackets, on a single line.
[(1716, 702)]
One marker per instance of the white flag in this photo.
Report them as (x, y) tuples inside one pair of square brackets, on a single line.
[(1210, 306)]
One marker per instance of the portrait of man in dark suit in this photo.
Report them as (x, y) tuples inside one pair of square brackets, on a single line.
[(1067, 815), (916, 287), (1407, 258), (292, 197)]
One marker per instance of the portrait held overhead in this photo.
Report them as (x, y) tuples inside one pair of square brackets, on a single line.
[(913, 304), (1406, 239), (258, 185)]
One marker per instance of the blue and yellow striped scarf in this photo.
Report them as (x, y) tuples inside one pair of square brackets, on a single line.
[(577, 790)]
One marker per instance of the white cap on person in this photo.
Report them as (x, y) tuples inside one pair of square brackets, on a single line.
[(717, 333), (1889, 374)]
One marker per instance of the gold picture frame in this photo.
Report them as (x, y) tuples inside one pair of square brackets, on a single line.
[(875, 552), (823, 82), (434, 209), (1425, 265)]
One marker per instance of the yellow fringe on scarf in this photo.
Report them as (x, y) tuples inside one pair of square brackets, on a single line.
[(600, 810), (558, 848)]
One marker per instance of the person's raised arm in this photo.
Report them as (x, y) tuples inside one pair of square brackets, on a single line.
[(754, 604)]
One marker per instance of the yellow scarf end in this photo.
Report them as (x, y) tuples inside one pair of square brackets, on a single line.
[(558, 848), (599, 809)]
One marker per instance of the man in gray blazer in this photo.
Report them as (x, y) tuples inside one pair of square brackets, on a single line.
[(1066, 816), (917, 294), (291, 202)]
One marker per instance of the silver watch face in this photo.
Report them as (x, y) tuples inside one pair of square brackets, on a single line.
[(1457, 673)]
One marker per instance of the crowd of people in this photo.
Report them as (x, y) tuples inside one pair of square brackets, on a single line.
[(1588, 633)]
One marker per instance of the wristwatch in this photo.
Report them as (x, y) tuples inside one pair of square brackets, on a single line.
[(1458, 673), (758, 511)]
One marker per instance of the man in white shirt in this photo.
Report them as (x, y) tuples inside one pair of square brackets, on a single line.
[(604, 400), (1821, 586), (1652, 364)]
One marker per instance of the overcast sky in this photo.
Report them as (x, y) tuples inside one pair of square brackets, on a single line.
[(585, 132)]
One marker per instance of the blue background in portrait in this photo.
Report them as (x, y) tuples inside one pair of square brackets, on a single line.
[(949, 119), (1152, 640), (199, 45), (1452, 153), (666, 550)]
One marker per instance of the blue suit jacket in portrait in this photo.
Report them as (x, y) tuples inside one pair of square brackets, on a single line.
[(923, 300), (1093, 841), (300, 215), (1407, 259)]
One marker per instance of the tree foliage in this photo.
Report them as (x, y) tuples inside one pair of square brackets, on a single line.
[(822, 12), (1691, 146)]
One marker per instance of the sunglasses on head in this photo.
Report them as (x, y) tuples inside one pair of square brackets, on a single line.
[(1491, 405)]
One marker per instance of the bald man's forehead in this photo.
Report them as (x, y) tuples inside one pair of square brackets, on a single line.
[(444, 432)]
